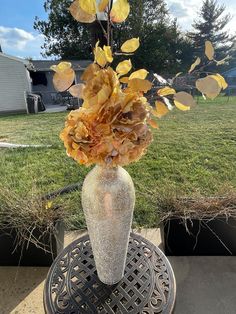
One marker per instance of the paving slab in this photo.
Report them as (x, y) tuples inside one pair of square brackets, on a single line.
[(205, 285), (21, 289), (54, 109)]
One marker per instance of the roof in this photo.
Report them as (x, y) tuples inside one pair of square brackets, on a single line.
[(44, 65), (230, 71), (25, 62)]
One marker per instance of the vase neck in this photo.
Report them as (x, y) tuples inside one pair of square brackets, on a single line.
[(109, 172)]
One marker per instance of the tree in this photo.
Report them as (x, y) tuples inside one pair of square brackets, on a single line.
[(211, 26), (164, 49), (163, 46), (64, 37)]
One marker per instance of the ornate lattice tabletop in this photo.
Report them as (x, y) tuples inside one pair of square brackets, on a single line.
[(72, 285)]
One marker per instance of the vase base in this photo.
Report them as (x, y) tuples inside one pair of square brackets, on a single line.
[(111, 283)]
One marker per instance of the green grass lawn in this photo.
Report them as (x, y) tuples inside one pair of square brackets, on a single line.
[(192, 153)]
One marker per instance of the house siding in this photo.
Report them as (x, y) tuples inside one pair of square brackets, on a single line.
[(13, 85)]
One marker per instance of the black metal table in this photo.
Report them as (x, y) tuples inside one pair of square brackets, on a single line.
[(72, 285)]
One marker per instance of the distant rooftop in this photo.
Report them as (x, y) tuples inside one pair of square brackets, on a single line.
[(44, 65), (26, 62)]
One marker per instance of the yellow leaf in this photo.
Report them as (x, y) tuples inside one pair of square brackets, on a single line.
[(124, 67), (48, 205), (181, 106), (161, 109), (77, 90), (141, 74), (178, 74), (100, 56), (108, 53), (90, 72), (220, 79), (185, 99), (193, 66), (61, 67), (120, 11), (209, 50), (124, 79), (80, 15), (53, 67), (208, 86), (88, 6), (130, 45), (139, 85), (102, 5), (153, 123), (165, 91), (62, 81), (223, 61)]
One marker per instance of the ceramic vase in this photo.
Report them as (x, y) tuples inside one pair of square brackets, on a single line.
[(108, 198)]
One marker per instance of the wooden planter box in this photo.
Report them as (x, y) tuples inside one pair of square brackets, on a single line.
[(31, 255), (215, 237)]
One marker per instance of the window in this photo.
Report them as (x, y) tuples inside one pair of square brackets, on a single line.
[(39, 78)]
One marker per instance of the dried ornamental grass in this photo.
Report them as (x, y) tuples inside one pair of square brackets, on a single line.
[(197, 208), (26, 214)]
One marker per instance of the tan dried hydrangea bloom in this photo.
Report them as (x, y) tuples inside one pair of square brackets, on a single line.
[(110, 128)]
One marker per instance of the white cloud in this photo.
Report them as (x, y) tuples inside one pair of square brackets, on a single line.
[(19, 42), (186, 11), (177, 9)]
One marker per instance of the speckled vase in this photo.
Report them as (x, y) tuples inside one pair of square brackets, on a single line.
[(108, 198)]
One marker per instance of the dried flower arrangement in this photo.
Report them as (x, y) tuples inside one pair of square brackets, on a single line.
[(112, 126)]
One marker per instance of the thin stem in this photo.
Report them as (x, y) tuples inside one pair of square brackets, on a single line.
[(123, 54), (103, 29), (109, 39), (200, 70)]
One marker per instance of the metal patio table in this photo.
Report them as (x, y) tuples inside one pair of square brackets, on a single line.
[(72, 285)]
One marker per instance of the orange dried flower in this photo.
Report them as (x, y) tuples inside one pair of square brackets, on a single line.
[(110, 128)]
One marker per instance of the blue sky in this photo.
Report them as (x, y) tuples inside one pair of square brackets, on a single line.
[(17, 35), (18, 38)]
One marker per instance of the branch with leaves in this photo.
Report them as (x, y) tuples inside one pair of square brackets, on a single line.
[(112, 126), (87, 11), (210, 86)]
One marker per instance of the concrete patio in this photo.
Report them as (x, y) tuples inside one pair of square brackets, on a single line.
[(54, 108), (205, 285)]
